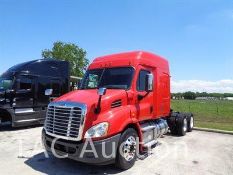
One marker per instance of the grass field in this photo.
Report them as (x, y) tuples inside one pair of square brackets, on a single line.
[(208, 114)]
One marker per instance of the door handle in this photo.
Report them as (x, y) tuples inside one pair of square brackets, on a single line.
[(140, 97), (151, 109)]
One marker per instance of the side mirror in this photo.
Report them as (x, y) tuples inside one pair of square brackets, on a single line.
[(48, 92), (102, 91), (149, 82)]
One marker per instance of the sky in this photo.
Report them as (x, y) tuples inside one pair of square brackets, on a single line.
[(196, 36)]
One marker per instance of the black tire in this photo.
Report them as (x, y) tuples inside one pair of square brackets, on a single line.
[(181, 125), (190, 123), (121, 161), (172, 125)]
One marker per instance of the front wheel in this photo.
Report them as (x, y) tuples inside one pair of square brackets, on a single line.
[(126, 152)]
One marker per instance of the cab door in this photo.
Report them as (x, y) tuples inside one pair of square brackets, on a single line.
[(144, 98), (24, 94), (23, 101)]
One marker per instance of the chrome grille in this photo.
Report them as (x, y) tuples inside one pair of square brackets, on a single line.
[(65, 120)]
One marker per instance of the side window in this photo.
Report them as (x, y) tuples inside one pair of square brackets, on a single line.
[(24, 83), (141, 81)]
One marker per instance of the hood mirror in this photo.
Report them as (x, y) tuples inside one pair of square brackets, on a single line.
[(102, 91)]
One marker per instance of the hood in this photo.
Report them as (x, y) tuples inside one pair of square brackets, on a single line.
[(90, 97), (110, 103)]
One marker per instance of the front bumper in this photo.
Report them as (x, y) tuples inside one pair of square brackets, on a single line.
[(99, 153)]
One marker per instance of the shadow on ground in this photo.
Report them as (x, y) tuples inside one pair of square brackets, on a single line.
[(54, 165)]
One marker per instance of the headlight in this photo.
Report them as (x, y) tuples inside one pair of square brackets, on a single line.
[(98, 130)]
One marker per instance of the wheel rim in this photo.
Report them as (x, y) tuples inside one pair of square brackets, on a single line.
[(185, 125), (191, 122), (129, 148)]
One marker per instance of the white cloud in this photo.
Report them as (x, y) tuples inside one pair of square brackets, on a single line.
[(221, 86)]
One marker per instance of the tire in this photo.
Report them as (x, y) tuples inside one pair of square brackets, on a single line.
[(172, 125), (182, 125), (190, 123), (123, 161)]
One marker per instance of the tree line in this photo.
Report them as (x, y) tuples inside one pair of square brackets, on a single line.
[(193, 95)]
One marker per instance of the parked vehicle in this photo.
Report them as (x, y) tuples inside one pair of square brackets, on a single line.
[(122, 97), (27, 88)]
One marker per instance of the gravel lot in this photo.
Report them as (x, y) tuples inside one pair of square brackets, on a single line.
[(197, 153)]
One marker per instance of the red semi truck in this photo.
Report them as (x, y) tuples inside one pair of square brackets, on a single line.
[(123, 104)]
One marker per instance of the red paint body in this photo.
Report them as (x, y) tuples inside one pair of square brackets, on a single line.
[(132, 110)]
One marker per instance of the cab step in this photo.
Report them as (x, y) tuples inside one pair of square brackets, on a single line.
[(147, 128), (150, 144)]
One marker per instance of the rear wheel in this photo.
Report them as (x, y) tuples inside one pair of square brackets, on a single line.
[(172, 125), (182, 125), (126, 153), (190, 123)]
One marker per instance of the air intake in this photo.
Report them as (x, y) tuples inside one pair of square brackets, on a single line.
[(116, 103)]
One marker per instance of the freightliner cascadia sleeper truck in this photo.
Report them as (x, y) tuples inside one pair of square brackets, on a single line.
[(123, 104)]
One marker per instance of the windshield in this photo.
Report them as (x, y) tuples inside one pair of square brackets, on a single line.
[(110, 78), (5, 84)]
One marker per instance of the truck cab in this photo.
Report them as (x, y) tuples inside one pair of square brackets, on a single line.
[(123, 99), (23, 98)]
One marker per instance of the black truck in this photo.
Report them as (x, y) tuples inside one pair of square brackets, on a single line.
[(27, 88)]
